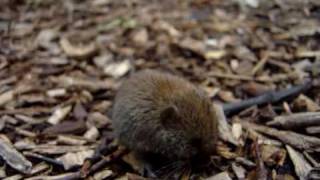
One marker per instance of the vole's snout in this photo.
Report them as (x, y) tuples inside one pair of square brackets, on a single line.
[(202, 156), (200, 161)]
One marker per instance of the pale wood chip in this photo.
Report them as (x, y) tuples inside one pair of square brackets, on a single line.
[(65, 176), (14, 177), (296, 140), (6, 97), (238, 170), (223, 126), (104, 174), (301, 165), (59, 114), (71, 140), (220, 176), (79, 51), (14, 158), (296, 120), (71, 159), (56, 92), (92, 133)]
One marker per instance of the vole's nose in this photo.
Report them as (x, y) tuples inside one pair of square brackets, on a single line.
[(201, 159)]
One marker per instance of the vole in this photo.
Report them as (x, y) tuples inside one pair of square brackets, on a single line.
[(164, 118)]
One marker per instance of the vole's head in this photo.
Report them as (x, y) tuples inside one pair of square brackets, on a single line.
[(191, 126)]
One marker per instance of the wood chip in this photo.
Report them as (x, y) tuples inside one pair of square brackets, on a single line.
[(255, 89), (238, 170), (296, 120), (227, 96), (237, 131), (65, 176), (45, 37), (3, 172), (301, 166), (25, 133), (98, 120), (70, 160), (261, 172), (104, 174), (71, 140), (273, 155), (80, 51), (14, 158), (59, 114), (193, 45), (91, 84), (215, 54), (307, 53), (27, 119), (304, 102), (24, 144), (6, 97), (43, 158), (9, 119), (8, 80), (39, 168), (313, 130), (66, 127), (263, 139), (231, 76), (92, 133), (14, 177), (56, 149), (260, 64), (220, 176), (140, 37), (223, 126), (167, 27), (2, 124), (296, 140), (131, 176), (311, 159), (117, 69), (56, 92), (314, 174), (245, 162)]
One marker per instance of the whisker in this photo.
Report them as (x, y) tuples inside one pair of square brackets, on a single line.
[(166, 167), (176, 169), (169, 174), (186, 171)]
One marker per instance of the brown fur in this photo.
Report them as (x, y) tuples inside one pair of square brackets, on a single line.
[(145, 123)]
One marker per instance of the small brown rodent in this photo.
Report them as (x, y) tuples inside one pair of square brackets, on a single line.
[(160, 114)]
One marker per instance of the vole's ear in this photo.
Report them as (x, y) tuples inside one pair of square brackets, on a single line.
[(170, 117)]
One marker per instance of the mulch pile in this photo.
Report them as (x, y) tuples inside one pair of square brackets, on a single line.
[(61, 63)]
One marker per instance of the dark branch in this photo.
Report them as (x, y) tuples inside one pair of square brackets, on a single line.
[(269, 97)]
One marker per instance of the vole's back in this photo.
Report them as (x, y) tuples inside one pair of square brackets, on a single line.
[(138, 106)]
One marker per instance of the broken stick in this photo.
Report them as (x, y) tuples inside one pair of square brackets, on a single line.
[(269, 97)]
